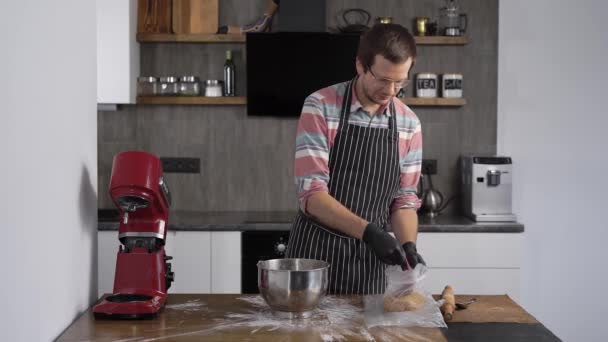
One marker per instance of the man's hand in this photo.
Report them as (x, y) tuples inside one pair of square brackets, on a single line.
[(411, 254), (386, 247)]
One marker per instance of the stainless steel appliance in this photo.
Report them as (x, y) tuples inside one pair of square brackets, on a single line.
[(293, 288), (486, 188), (259, 245)]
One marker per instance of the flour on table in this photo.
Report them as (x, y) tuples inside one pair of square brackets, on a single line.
[(335, 319), (189, 306)]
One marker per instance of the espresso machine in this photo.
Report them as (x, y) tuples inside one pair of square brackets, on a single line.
[(486, 188), (143, 273)]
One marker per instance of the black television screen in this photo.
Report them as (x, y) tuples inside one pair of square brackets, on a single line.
[(284, 68)]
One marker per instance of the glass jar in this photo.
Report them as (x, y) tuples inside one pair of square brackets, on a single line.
[(189, 86), (167, 86), (147, 86), (214, 88)]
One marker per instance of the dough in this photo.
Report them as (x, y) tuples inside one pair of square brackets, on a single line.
[(410, 302)]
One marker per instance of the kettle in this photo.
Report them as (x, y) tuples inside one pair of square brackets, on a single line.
[(432, 199)]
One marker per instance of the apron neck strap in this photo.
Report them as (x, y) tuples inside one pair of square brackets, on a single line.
[(347, 100)]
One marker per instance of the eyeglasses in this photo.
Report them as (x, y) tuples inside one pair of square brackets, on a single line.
[(385, 82)]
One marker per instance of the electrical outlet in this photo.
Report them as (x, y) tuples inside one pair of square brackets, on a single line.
[(429, 166), (181, 165)]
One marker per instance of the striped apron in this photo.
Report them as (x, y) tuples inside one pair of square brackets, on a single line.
[(364, 177)]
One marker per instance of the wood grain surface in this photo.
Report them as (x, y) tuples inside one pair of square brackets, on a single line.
[(154, 16), (195, 16), (196, 317)]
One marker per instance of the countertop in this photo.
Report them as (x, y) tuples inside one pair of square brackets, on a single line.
[(281, 220), (234, 317)]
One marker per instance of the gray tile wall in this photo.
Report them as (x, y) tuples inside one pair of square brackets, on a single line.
[(247, 162)]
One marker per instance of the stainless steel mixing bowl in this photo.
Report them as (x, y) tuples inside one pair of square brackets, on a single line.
[(292, 287)]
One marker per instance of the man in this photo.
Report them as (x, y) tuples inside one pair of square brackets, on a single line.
[(358, 160)]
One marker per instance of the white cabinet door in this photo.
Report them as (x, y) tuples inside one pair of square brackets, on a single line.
[(226, 262), (117, 51), (191, 252), (473, 263), (107, 249), (470, 250)]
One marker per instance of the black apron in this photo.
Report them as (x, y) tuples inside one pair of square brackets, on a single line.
[(364, 177)]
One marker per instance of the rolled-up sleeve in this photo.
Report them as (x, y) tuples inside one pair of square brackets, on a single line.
[(410, 162), (312, 151)]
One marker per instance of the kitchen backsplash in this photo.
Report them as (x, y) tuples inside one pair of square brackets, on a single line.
[(247, 162)]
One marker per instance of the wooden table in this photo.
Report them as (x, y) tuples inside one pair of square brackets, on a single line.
[(234, 317)]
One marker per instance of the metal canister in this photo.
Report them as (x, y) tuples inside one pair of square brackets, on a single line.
[(451, 85), (426, 84), (421, 26)]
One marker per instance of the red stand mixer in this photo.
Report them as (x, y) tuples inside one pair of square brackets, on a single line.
[(143, 274)]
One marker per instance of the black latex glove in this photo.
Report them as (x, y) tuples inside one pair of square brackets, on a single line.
[(386, 247), (411, 254)]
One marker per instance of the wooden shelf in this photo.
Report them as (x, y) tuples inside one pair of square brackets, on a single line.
[(436, 101), (241, 100), (441, 40), (189, 38), (192, 100), (237, 38)]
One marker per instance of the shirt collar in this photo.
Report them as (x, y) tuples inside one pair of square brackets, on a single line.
[(355, 105)]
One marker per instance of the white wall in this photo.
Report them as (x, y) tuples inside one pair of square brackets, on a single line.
[(48, 170), (553, 121), (117, 52)]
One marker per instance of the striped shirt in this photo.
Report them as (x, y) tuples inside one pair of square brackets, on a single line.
[(317, 129)]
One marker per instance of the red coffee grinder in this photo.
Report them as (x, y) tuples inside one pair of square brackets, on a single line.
[(143, 274)]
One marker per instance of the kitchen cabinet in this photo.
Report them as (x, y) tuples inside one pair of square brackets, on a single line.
[(473, 263), (225, 262), (117, 51), (210, 262), (191, 252)]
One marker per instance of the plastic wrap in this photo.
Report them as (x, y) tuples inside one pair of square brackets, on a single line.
[(401, 283)]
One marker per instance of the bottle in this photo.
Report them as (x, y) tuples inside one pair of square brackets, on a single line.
[(229, 70)]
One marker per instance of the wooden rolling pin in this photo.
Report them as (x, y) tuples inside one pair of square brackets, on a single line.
[(447, 308)]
